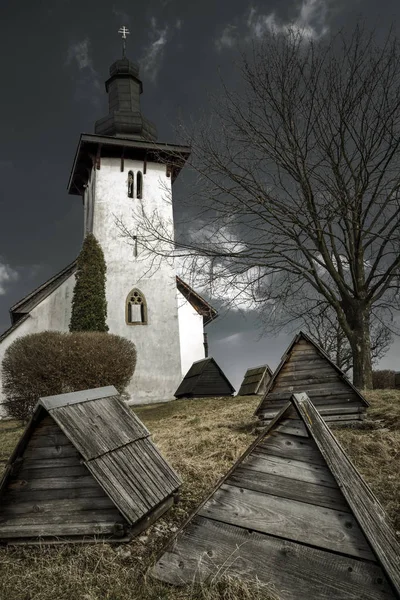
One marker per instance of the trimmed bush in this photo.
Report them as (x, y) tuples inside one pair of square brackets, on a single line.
[(49, 363), (89, 304), (383, 379)]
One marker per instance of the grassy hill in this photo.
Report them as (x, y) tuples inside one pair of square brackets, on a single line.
[(201, 438)]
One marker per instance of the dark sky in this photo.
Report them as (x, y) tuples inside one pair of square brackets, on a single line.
[(55, 56)]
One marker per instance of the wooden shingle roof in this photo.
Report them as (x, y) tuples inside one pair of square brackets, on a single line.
[(204, 378), (294, 513), (255, 381), (306, 367), (80, 441)]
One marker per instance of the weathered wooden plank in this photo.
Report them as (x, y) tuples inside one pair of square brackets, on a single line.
[(51, 463), (51, 452), (292, 426), (308, 377), (112, 423), (57, 529), (34, 496), (63, 506), (296, 572), (288, 488), (45, 430), (289, 519), (57, 472), (290, 468), (291, 446), (130, 501), (341, 395), (53, 483), (54, 402), (334, 388), (51, 439), (330, 413), (366, 507)]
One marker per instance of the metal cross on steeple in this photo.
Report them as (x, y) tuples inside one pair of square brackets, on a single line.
[(124, 31)]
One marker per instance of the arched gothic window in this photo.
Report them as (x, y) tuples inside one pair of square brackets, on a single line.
[(136, 308), (139, 185), (130, 184)]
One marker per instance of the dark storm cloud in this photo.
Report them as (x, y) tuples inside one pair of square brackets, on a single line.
[(54, 61)]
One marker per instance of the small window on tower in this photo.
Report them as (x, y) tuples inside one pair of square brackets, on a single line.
[(139, 185), (136, 308), (130, 184)]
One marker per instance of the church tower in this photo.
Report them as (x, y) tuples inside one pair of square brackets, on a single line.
[(120, 171)]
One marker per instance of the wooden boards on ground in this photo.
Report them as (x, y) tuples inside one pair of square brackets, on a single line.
[(294, 513), (84, 469), (305, 367)]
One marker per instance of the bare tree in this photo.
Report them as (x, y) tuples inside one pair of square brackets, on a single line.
[(297, 190), (324, 327)]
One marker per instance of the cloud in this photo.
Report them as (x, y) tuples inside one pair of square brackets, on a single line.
[(178, 24), (121, 15), (310, 21), (88, 81), (7, 276), (228, 37), (154, 52)]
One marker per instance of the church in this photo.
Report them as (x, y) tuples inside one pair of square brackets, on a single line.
[(120, 172)]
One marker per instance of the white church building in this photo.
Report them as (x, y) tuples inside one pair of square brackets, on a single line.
[(120, 172)]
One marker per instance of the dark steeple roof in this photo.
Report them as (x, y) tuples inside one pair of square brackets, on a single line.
[(125, 118)]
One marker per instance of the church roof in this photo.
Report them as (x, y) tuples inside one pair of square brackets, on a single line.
[(19, 312), (294, 513), (92, 147), (199, 304), (125, 118)]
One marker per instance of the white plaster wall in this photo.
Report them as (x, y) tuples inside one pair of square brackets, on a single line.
[(191, 334), (53, 313), (158, 369)]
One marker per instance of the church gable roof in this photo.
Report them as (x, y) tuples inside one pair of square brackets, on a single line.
[(306, 367), (204, 378), (199, 304), (293, 512), (28, 303), (129, 483), (19, 312)]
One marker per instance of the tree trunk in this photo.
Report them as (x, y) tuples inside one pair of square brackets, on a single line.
[(361, 349)]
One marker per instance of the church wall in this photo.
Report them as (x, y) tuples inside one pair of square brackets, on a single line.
[(53, 313), (158, 370), (191, 334)]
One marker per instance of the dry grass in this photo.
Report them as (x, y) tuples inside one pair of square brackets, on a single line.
[(375, 449), (201, 439)]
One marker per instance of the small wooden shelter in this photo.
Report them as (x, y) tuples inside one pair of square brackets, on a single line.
[(204, 378), (255, 381), (294, 513), (306, 367), (85, 469)]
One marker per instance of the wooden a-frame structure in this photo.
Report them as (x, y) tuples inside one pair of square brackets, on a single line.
[(305, 367), (295, 513)]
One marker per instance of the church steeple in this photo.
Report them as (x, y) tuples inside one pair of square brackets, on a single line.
[(125, 117)]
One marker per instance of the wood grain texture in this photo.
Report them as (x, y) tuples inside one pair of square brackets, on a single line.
[(110, 422), (295, 571), (288, 519), (359, 496), (284, 487)]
